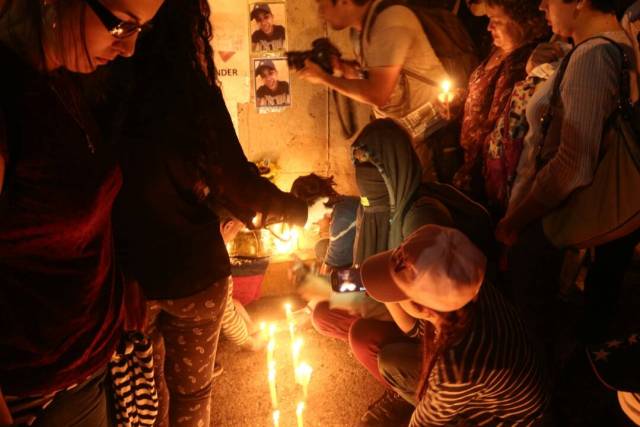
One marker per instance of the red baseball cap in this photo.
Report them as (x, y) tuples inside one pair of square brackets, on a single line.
[(437, 267)]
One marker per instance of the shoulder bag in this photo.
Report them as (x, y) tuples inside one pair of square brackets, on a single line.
[(609, 207)]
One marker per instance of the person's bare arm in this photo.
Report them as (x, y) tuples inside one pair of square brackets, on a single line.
[(404, 321), (375, 90)]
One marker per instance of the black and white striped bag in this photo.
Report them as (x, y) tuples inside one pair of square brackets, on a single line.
[(134, 388)]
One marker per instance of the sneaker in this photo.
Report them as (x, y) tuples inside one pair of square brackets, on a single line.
[(217, 370), (390, 410)]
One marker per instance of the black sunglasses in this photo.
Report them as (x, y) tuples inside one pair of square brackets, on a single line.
[(117, 27)]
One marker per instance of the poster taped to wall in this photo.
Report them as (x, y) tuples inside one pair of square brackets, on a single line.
[(272, 90), (268, 28)]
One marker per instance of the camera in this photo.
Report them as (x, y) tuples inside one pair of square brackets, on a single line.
[(321, 52)]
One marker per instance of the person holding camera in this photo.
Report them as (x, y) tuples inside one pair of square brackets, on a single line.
[(394, 63)]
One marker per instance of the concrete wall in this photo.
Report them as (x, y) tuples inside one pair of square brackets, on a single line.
[(306, 137)]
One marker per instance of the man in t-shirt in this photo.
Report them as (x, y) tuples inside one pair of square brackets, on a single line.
[(395, 63), (268, 37), (273, 92)]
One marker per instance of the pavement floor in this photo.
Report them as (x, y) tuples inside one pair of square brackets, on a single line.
[(339, 391)]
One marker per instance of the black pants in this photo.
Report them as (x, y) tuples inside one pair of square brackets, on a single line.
[(87, 405), (533, 274), (534, 270), (603, 287)]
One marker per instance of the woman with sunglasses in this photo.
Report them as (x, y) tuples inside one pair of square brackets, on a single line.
[(61, 300)]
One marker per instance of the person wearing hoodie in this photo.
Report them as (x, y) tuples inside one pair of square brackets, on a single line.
[(393, 204)]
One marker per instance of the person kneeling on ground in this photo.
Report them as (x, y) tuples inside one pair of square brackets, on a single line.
[(477, 365)]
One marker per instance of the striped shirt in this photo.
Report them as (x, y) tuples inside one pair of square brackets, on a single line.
[(492, 377), (589, 94)]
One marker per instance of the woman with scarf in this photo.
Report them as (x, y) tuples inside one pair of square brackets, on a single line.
[(516, 26)]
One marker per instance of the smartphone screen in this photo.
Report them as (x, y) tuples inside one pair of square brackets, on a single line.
[(346, 280)]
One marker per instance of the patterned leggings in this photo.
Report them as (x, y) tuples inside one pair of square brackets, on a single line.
[(185, 336)]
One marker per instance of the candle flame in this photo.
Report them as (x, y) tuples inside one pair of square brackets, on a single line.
[(304, 370), (288, 241), (276, 417), (446, 86), (303, 376), (273, 328)]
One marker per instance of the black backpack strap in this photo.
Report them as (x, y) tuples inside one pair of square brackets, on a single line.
[(624, 102)]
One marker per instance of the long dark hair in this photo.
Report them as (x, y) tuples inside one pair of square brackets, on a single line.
[(24, 22), (181, 38), (453, 327), (175, 57)]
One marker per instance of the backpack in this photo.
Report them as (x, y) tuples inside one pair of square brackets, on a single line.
[(447, 35)]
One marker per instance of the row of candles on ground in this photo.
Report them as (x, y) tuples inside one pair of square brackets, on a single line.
[(302, 370)]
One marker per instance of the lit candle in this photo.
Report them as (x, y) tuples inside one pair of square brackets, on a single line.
[(273, 328), (299, 411), (272, 387), (303, 376), (263, 330), (296, 348), (292, 330), (446, 96), (290, 321), (276, 418), (271, 346)]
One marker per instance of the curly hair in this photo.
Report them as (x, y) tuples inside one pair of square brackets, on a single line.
[(185, 36), (526, 13), (312, 187)]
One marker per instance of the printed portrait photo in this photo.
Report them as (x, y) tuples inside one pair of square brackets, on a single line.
[(268, 27), (272, 82)]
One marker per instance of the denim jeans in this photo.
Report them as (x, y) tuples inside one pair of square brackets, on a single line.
[(400, 364), (87, 405)]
